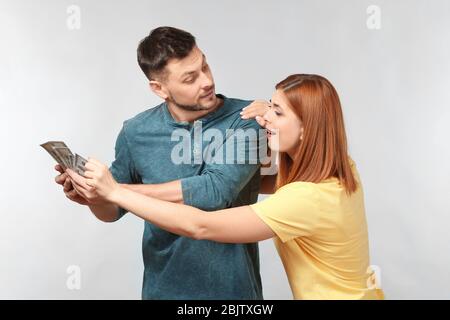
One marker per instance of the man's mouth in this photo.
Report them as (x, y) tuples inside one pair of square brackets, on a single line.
[(208, 94)]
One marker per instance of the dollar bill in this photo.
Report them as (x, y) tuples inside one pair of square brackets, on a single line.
[(64, 156), (50, 148), (80, 162)]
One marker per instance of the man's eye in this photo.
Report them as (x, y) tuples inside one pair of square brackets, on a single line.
[(189, 80)]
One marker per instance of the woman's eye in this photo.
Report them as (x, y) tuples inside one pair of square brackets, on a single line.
[(278, 113)]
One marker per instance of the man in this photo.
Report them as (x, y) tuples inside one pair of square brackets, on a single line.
[(178, 267)]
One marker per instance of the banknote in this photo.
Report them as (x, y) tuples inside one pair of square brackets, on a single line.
[(64, 156)]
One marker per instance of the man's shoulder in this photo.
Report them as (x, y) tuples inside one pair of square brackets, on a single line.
[(234, 106), (145, 119)]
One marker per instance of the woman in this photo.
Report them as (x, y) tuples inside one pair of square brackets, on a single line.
[(316, 215)]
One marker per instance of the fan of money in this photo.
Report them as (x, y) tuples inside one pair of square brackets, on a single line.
[(66, 159)]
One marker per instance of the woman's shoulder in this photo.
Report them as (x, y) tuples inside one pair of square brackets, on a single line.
[(326, 185), (298, 189)]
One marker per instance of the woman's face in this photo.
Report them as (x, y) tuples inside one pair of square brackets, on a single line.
[(284, 128)]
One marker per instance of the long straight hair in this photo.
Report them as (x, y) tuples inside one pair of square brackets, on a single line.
[(322, 153)]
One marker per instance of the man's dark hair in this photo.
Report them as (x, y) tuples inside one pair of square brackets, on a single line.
[(161, 45)]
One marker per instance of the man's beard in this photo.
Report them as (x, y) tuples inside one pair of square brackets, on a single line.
[(195, 107)]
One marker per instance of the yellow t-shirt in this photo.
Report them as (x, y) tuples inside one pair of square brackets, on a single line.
[(321, 237)]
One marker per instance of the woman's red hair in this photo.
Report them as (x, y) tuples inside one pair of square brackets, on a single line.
[(322, 153)]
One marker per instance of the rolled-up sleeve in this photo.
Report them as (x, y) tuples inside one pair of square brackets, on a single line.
[(122, 168), (219, 185)]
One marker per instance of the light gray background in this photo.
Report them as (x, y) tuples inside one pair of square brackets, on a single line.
[(80, 85)]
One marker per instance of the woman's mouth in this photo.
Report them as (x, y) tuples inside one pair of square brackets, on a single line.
[(270, 132)]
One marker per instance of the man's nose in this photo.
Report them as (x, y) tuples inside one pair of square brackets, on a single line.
[(207, 82)]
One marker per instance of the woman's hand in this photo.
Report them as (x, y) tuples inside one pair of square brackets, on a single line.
[(100, 178), (98, 183), (255, 109)]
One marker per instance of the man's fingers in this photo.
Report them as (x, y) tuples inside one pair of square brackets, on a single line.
[(75, 197), (59, 168), (72, 193), (68, 185), (60, 179)]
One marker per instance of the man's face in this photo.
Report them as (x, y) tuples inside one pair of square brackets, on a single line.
[(190, 84)]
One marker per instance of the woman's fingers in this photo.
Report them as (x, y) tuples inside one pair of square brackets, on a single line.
[(256, 108), (78, 180), (91, 183), (95, 162), (261, 121), (90, 167), (87, 194), (77, 189), (89, 174), (250, 114)]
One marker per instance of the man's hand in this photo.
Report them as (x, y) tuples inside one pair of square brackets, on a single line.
[(70, 192), (104, 211)]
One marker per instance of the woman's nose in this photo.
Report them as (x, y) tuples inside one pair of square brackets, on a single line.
[(266, 116)]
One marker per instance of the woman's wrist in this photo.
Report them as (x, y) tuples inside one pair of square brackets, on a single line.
[(116, 194)]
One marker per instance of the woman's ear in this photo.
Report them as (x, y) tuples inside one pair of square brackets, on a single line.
[(158, 88)]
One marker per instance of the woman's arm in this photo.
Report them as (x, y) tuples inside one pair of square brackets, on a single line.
[(234, 225)]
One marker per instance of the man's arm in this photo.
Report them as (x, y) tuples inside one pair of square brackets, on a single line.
[(106, 212)]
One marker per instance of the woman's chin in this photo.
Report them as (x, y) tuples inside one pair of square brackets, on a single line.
[(274, 145)]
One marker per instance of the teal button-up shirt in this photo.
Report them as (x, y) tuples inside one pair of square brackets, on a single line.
[(154, 148)]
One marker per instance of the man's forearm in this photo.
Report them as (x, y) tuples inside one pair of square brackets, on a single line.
[(168, 191), (106, 212)]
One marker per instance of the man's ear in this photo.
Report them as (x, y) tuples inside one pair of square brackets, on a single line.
[(158, 88)]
